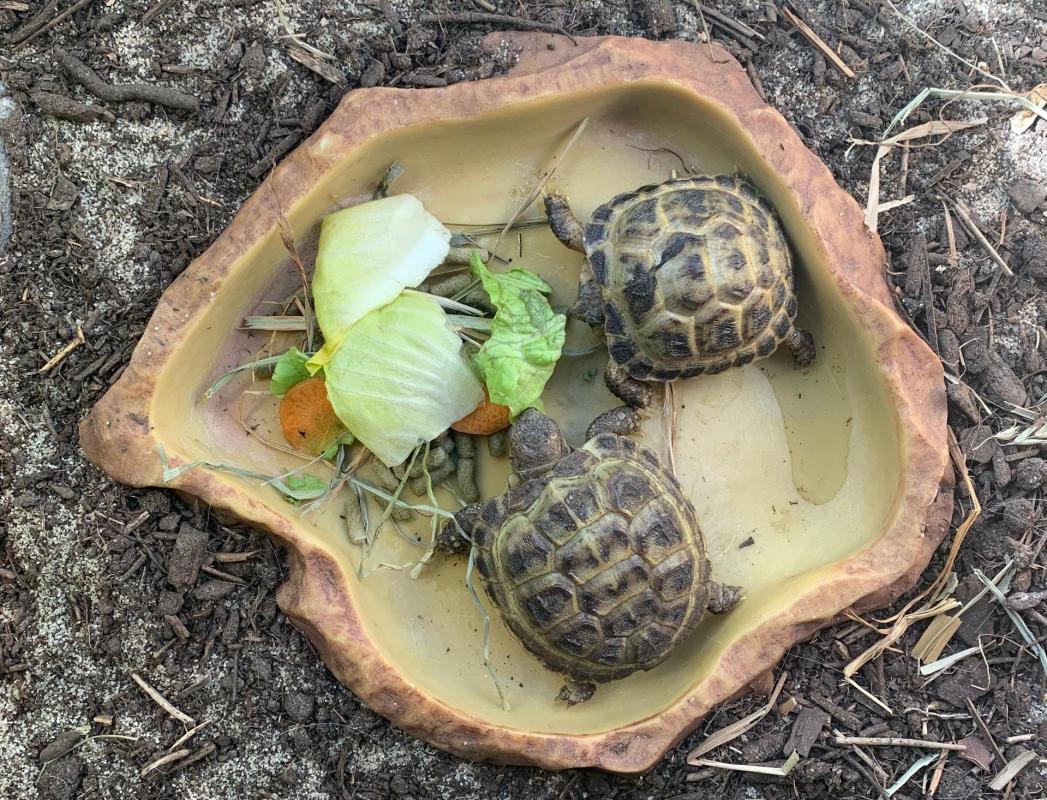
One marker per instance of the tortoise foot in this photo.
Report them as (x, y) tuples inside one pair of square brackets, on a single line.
[(629, 390), (563, 223), (802, 345), (575, 692), (620, 420), (723, 597)]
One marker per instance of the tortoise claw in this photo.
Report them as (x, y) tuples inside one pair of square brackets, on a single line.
[(575, 692), (802, 345), (723, 597), (620, 420)]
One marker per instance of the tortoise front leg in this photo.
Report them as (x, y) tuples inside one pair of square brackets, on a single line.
[(722, 597), (629, 390), (449, 539), (563, 223), (620, 420)]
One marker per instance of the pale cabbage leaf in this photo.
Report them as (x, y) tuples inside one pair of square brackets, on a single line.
[(399, 378)]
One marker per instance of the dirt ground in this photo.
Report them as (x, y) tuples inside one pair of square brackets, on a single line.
[(112, 196)]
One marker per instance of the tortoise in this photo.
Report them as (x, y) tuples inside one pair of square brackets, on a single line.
[(689, 276), (595, 560)]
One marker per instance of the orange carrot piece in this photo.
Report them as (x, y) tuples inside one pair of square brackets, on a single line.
[(307, 418), (485, 419)]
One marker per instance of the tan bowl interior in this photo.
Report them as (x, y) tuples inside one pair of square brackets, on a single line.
[(807, 464)]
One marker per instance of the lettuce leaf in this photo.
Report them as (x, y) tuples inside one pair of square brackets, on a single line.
[(289, 370), (526, 338), (367, 255), (399, 377)]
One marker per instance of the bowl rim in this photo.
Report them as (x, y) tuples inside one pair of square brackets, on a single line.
[(119, 436)]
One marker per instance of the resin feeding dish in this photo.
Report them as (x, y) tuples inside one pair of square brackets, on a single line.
[(817, 490)]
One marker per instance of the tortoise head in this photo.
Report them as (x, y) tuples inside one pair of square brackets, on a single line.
[(536, 444)]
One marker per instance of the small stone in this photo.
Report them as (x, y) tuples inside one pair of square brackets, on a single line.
[(949, 348), (1001, 383), (1001, 468), (976, 356), (962, 396), (1019, 514), (373, 73), (969, 681), (299, 706), (169, 603), (1034, 255), (1027, 195), (1030, 474), (978, 443), (63, 196), (206, 164), (169, 522), (254, 60), (61, 779), (61, 745), (213, 590), (187, 556)]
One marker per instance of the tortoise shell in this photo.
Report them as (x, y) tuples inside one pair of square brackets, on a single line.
[(695, 275), (598, 567)]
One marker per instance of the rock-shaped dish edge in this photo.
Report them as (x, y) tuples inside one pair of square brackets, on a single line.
[(117, 434)]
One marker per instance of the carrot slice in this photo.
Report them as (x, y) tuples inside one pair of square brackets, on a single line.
[(307, 418), (486, 418)]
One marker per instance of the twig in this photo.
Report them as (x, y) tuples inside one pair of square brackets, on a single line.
[(965, 216), (124, 92), (817, 41), (735, 25), (57, 358), (189, 734), (501, 20), (896, 741), (53, 23), (927, 36), (985, 730), (163, 702), (33, 25), (167, 759)]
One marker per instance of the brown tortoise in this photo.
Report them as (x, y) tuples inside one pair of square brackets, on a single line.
[(595, 560), (687, 277)]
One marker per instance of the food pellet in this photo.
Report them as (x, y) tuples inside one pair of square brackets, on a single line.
[(498, 444)]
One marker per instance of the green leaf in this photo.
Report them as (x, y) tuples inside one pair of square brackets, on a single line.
[(527, 337), (297, 488), (289, 370), (399, 377)]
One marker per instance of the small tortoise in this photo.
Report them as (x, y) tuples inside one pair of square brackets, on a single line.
[(687, 277), (595, 560)]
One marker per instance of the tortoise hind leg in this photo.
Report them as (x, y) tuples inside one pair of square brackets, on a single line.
[(563, 223), (801, 343), (627, 389), (575, 692)]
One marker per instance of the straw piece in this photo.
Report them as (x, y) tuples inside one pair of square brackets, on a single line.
[(817, 41), (736, 729), (1011, 770)]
